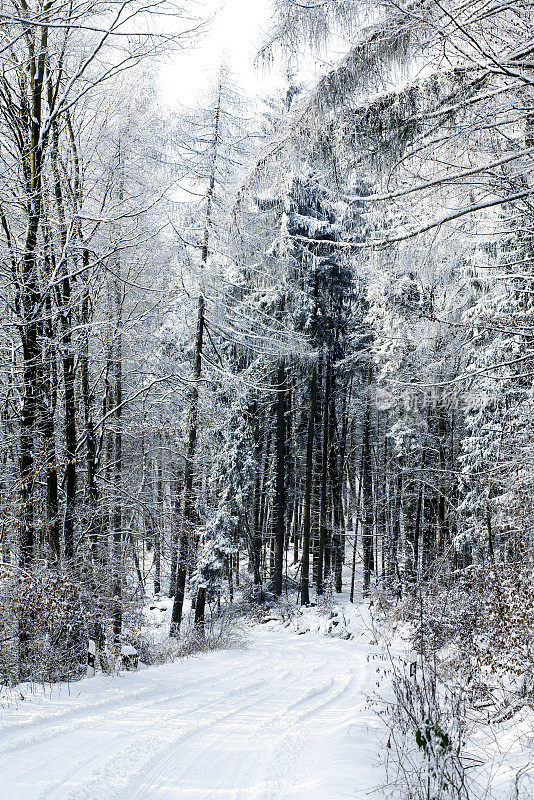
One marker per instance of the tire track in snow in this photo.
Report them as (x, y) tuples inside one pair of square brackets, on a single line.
[(309, 703), (207, 729), (49, 726), (235, 725), (145, 738), (134, 751)]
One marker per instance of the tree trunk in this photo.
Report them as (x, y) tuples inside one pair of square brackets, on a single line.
[(158, 531), (93, 529), (200, 607), (48, 406), (70, 446), (358, 516), (323, 510), (409, 508), (336, 459), (174, 538), (367, 496), (308, 490), (28, 296), (117, 476), (187, 498), (279, 500), (255, 547)]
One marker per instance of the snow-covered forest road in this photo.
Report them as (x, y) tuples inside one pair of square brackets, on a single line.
[(284, 718)]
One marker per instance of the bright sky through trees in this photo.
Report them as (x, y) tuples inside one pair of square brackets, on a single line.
[(233, 35)]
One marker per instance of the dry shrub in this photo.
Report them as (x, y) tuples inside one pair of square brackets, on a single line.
[(43, 626), (425, 759), (221, 632), (483, 619)]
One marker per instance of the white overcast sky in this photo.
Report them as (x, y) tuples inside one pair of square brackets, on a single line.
[(234, 36)]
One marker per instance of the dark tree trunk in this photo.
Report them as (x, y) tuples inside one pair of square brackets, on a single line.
[(200, 607), (367, 496), (441, 518), (117, 476), (395, 524), (324, 464), (192, 425), (28, 418), (255, 544), (174, 537), (279, 500), (28, 296), (382, 497), (358, 517), (308, 490), (158, 532), (48, 406), (263, 523), (337, 458), (187, 496), (409, 509), (70, 447), (93, 528), (68, 359)]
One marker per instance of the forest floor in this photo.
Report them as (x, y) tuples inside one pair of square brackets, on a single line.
[(285, 717)]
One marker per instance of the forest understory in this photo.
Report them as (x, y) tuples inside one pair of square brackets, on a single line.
[(266, 400)]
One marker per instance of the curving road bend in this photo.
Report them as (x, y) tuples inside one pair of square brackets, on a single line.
[(287, 718)]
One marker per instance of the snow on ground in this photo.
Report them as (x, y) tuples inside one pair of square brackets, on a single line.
[(503, 755), (288, 717), (285, 718)]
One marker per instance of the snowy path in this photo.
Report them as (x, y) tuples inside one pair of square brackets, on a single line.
[(284, 719)]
